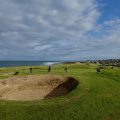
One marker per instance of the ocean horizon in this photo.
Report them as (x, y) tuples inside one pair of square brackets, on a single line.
[(16, 63)]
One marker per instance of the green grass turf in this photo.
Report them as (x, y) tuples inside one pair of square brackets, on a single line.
[(97, 97)]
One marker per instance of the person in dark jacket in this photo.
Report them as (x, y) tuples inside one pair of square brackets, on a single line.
[(66, 69), (31, 70), (98, 70), (49, 68)]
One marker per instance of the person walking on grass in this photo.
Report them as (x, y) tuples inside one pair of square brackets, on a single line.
[(49, 68), (98, 70), (31, 70), (66, 69)]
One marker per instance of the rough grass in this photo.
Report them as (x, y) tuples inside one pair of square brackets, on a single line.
[(97, 97)]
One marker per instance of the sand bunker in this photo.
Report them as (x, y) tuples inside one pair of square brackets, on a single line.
[(35, 87)]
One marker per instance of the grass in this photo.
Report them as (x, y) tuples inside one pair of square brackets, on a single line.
[(97, 96)]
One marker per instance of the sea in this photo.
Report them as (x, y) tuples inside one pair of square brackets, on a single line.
[(26, 63)]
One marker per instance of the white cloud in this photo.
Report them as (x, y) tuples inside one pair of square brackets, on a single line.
[(41, 48), (60, 27)]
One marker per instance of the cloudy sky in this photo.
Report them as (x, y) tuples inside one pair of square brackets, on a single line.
[(59, 29)]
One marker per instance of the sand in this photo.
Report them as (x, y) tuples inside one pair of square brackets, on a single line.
[(35, 87)]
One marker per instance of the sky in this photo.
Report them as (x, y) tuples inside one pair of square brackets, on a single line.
[(59, 29)]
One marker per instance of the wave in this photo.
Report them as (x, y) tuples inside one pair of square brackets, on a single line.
[(51, 63)]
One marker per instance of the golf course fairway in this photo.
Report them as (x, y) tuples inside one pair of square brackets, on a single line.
[(96, 97)]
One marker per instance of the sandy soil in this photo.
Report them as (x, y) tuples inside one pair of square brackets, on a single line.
[(34, 87)]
